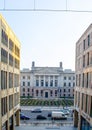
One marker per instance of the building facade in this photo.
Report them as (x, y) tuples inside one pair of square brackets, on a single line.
[(47, 82), (83, 89), (9, 77)]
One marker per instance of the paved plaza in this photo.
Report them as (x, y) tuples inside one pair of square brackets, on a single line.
[(29, 127)]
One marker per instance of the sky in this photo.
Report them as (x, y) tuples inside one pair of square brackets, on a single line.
[(47, 37)]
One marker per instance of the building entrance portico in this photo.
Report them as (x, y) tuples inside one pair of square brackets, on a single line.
[(46, 94)]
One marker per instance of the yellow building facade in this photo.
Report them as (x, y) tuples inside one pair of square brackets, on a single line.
[(83, 89), (10, 75)]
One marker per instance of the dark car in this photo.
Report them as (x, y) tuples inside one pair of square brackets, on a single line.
[(49, 114), (24, 117), (36, 111), (40, 117)]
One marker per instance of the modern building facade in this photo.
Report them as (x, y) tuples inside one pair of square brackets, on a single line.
[(9, 77), (83, 89), (47, 82)]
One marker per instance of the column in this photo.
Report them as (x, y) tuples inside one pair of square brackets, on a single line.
[(44, 81), (75, 118), (18, 118)]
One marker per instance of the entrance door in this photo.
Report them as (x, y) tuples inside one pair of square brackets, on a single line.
[(46, 94)]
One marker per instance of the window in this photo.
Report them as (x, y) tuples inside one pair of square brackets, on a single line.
[(73, 78), (3, 106), (88, 40), (46, 83), (16, 63), (83, 80), (37, 82), (10, 102), (11, 45), (37, 92), (28, 90), (84, 44), (28, 83), (10, 60), (51, 83), (64, 78), (16, 80), (87, 80), (79, 79), (3, 79), (23, 89), (23, 77), (64, 90), (69, 84), (69, 78), (28, 77), (68, 90), (42, 83), (17, 51), (23, 83), (73, 84), (4, 56), (84, 61), (64, 84), (88, 58), (4, 38), (10, 80), (56, 83)]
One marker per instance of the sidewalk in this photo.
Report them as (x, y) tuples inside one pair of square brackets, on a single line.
[(30, 127)]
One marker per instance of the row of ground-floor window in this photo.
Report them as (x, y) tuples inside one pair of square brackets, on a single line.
[(81, 122), (47, 93)]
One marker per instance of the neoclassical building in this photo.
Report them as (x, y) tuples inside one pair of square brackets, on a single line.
[(47, 82), (9, 77), (83, 89)]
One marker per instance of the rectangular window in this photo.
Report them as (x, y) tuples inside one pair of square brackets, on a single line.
[(11, 45), (84, 61), (3, 106), (56, 83), (10, 60), (46, 83), (10, 102), (42, 83), (83, 80), (10, 80), (88, 58), (64, 84), (3, 79), (51, 83), (87, 80), (84, 44), (37, 82), (4, 38), (88, 40), (23, 83), (28, 83), (4, 56), (16, 80)]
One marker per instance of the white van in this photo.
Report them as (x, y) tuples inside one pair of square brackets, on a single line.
[(58, 115)]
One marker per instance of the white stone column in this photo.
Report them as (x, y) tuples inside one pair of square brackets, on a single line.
[(44, 81), (39, 81)]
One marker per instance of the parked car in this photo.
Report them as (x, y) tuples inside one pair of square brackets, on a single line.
[(49, 114), (37, 110), (24, 117), (41, 117)]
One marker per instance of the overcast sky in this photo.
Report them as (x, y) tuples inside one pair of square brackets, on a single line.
[(47, 37)]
